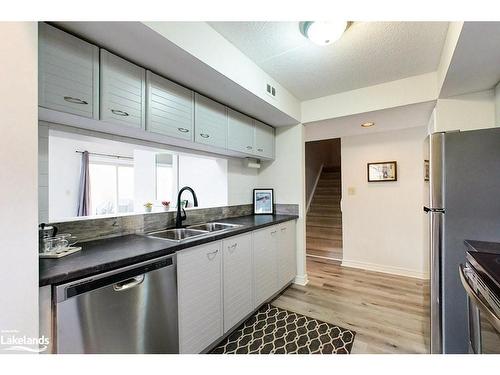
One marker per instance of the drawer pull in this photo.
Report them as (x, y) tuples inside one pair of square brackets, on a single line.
[(283, 229), (183, 130), (260, 149), (249, 147), (204, 135), (273, 232), (232, 247), (119, 113), (211, 256), (74, 100)]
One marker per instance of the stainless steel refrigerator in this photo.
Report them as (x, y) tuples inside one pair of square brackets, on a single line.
[(464, 204)]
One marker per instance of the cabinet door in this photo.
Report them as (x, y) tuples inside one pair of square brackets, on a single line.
[(265, 263), (199, 283), (68, 73), (240, 132), (123, 91), (287, 258), (210, 122), (264, 140), (238, 279), (170, 108)]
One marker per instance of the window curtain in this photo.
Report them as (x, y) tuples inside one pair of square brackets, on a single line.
[(84, 193)]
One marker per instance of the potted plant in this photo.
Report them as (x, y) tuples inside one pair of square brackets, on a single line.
[(148, 206), (166, 205)]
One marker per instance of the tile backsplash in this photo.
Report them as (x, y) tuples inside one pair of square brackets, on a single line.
[(91, 229)]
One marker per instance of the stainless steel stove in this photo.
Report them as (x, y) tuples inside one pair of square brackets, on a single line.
[(481, 279)]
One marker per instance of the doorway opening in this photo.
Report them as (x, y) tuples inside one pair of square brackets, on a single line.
[(323, 195)]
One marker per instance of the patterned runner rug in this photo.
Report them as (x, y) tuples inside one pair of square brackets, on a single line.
[(272, 330)]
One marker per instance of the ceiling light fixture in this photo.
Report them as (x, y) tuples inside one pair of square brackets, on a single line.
[(323, 33), (367, 124)]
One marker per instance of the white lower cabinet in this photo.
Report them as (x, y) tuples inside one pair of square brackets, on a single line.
[(199, 283), (287, 258), (265, 263), (238, 279), (222, 282)]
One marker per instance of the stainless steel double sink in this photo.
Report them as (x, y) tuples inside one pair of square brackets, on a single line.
[(193, 231)]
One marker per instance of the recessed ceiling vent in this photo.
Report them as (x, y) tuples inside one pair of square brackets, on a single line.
[(271, 90)]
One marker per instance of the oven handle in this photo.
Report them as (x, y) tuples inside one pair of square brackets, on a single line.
[(483, 307)]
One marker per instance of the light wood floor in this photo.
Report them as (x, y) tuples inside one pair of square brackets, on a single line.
[(389, 313)]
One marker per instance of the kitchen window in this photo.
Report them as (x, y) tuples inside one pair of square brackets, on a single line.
[(111, 185)]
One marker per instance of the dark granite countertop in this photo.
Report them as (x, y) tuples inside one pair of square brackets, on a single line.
[(107, 254)]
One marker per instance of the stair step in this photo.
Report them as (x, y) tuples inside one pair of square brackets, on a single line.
[(335, 253), (331, 168), (328, 185), (324, 232), (324, 211), (323, 244), (328, 174), (327, 190), (325, 201), (324, 221)]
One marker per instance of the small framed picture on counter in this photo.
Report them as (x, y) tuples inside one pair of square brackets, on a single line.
[(263, 201)]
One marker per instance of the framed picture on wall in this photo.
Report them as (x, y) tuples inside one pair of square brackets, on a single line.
[(382, 171), (263, 201)]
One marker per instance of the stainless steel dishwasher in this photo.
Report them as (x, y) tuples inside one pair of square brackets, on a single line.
[(129, 310)]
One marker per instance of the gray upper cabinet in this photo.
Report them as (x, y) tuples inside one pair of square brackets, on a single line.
[(123, 91), (264, 140), (240, 132), (68, 73), (170, 108), (210, 122)]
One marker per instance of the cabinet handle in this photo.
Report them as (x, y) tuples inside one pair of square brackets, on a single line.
[(273, 232), (211, 256), (119, 113), (249, 147), (183, 130), (75, 100), (283, 229), (204, 135), (232, 247), (260, 149)]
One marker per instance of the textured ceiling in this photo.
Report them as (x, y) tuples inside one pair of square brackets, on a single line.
[(368, 53)]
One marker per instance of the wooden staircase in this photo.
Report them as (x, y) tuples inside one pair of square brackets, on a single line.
[(324, 218)]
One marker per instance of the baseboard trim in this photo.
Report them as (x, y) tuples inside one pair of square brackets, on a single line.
[(385, 269), (301, 280)]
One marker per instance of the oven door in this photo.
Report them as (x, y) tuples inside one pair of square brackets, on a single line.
[(484, 322)]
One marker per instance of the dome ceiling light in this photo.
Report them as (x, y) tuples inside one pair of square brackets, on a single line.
[(367, 124), (323, 33)]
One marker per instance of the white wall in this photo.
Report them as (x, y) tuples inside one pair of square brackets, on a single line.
[(286, 176), (207, 45), (466, 112), (144, 178), (383, 222), (402, 92), (240, 182), (65, 164), (18, 173), (207, 177)]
